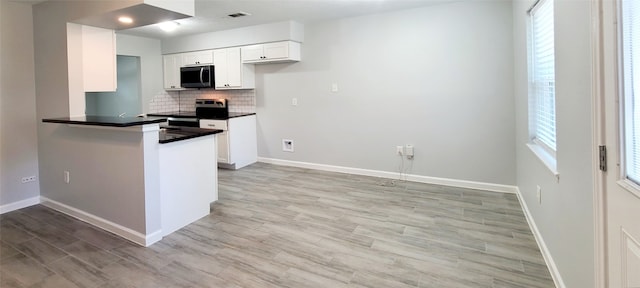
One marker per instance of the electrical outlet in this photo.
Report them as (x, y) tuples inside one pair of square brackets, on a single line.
[(66, 177), (287, 145), (400, 150), (539, 194), (409, 151), (28, 179), (294, 101)]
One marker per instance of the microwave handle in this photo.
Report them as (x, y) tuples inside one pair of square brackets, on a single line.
[(201, 71)]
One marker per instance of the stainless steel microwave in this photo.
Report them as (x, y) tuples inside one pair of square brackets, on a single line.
[(197, 76)]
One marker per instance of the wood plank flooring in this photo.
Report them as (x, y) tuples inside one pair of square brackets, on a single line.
[(278, 226)]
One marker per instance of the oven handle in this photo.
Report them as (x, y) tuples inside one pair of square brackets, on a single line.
[(183, 119)]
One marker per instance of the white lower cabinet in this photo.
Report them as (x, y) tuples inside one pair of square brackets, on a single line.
[(238, 144)]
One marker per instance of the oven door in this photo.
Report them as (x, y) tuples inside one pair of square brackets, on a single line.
[(184, 122)]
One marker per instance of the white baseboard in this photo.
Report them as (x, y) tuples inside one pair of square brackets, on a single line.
[(393, 175), (546, 254), (19, 204), (124, 232)]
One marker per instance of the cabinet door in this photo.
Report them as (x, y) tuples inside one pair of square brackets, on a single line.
[(221, 138), (276, 50), (223, 147), (234, 68), (198, 58), (171, 66), (285, 51), (228, 68), (99, 59), (252, 53), (220, 63)]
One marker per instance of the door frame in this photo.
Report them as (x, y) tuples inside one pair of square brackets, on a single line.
[(598, 126)]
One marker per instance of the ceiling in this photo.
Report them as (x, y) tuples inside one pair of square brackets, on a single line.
[(212, 15)]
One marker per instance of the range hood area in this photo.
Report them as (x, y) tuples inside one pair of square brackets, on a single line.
[(142, 13)]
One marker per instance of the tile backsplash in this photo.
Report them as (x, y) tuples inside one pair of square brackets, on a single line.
[(168, 101)]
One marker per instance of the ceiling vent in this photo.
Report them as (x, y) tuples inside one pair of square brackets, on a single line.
[(239, 14)]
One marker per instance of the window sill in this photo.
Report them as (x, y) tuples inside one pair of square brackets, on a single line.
[(630, 186), (547, 159)]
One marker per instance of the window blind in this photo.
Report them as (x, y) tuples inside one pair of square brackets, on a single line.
[(630, 58), (543, 79)]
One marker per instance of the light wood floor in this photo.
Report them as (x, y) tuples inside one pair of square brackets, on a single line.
[(287, 227)]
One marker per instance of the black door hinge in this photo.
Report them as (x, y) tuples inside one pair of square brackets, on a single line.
[(603, 158)]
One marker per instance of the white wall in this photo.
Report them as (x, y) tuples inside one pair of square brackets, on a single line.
[(150, 64), (439, 78), (106, 173), (18, 140), (565, 216)]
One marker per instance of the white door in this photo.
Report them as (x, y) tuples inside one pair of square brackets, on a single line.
[(172, 64), (276, 50), (621, 195), (198, 58), (223, 147), (220, 66), (252, 52), (234, 68)]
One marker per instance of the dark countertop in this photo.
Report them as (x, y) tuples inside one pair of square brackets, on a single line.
[(166, 134), (239, 114), (177, 133), (191, 114), (106, 121)]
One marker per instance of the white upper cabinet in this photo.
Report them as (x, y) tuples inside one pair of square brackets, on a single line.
[(285, 51), (197, 58), (171, 66), (230, 73), (99, 59), (234, 67), (252, 53)]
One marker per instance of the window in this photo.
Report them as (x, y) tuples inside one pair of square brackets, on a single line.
[(630, 85), (542, 106)]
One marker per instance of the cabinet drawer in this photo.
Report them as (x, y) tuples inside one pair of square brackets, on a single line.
[(213, 124)]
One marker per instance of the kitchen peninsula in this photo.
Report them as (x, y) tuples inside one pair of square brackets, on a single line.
[(131, 177)]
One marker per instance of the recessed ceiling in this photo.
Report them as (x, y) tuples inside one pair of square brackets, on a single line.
[(140, 15), (213, 15)]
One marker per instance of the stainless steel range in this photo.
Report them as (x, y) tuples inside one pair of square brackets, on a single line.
[(212, 109)]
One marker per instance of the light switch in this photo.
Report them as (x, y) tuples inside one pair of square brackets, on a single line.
[(294, 101), (334, 87)]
